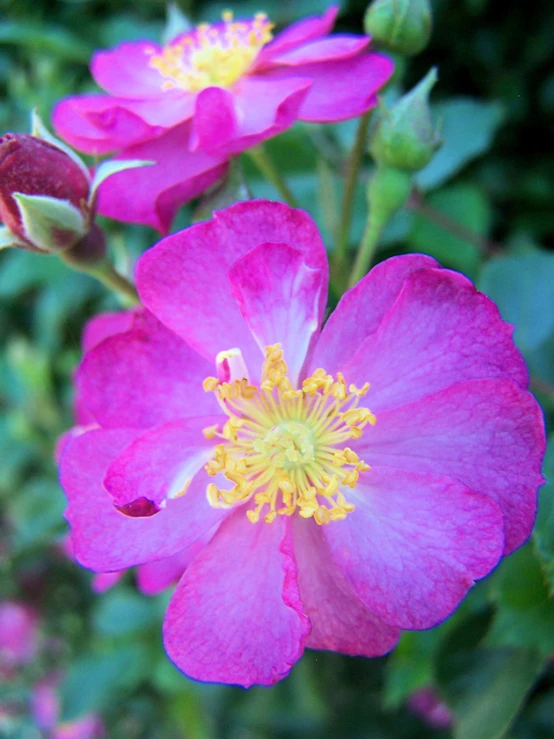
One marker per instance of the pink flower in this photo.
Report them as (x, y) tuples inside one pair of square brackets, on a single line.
[(426, 704), (19, 635), (208, 94), (343, 512), (46, 710)]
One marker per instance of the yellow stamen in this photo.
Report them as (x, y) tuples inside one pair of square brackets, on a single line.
[(283, 449), (216, 55)]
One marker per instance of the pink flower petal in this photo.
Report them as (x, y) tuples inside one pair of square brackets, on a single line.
[(214, 121), (301, 32), (322, 50), (105, 324), (159, 190), (159, 464), (184, 279), (99, 124), (281, 300), (340, 621), (264, 106), (439, 331), (19, 634), (155, 577), (415, 544), (144, 377), (236, 616), (126, 72), (105, 580), (343, 89), (361, 310), (488, 434), (105, 540)]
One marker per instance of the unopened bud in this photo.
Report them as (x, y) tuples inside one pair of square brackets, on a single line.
[(47, 196), (43, 193), (399, 25), (404, 136)]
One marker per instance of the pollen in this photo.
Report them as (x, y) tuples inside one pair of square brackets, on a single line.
[(283, 450), (212, 55)]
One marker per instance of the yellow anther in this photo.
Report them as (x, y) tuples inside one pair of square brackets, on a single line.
[(210, 384), (281, 447), (210, 432)]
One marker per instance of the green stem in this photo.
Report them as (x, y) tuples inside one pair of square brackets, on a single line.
[(107, 275), (350, 182), (366, 252), (267, 167)]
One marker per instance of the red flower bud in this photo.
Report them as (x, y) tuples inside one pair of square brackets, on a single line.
[(32, 166)]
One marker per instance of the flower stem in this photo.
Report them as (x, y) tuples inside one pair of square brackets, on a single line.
[(351, 180), (116, 282), (267, 167), (366, 252)]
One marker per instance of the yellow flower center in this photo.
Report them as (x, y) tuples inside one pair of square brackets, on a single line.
[(284, 448), (212, 55)]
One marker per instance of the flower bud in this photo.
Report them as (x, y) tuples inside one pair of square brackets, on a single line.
[(404, 137), (44, 194), (399, 25)]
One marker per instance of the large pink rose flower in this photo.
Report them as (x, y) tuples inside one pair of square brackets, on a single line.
[(208, 94), (351, 481)]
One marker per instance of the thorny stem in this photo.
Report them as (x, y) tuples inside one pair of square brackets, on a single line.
[(267, 167)]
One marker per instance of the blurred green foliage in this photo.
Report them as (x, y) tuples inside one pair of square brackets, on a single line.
[(485, 207)]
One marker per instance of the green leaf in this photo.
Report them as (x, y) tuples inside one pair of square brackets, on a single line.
[(525, 612), (107, 169), (409, 667), (543, 534), (468, 128), (484, 687), (464, 206), (43, 217), (44, 38), (523, 288), (123, 612), (96, 681), (7, 238)]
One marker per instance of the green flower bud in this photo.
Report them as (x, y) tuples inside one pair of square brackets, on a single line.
[(399, 25), (387, 191), (404, 137)]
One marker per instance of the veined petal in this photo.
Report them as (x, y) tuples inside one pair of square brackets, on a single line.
[(299, 33), (236, 616), (439, 331), (343, 89), (280, 299), (159, 190), (489, 434), (125, 70), (105, 540), (160, 464), (100, 124), (322, 50), (362, 308), (166, 377), (340, 621), (184, 279), (155, 577), (262, 107), (415, 545)]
